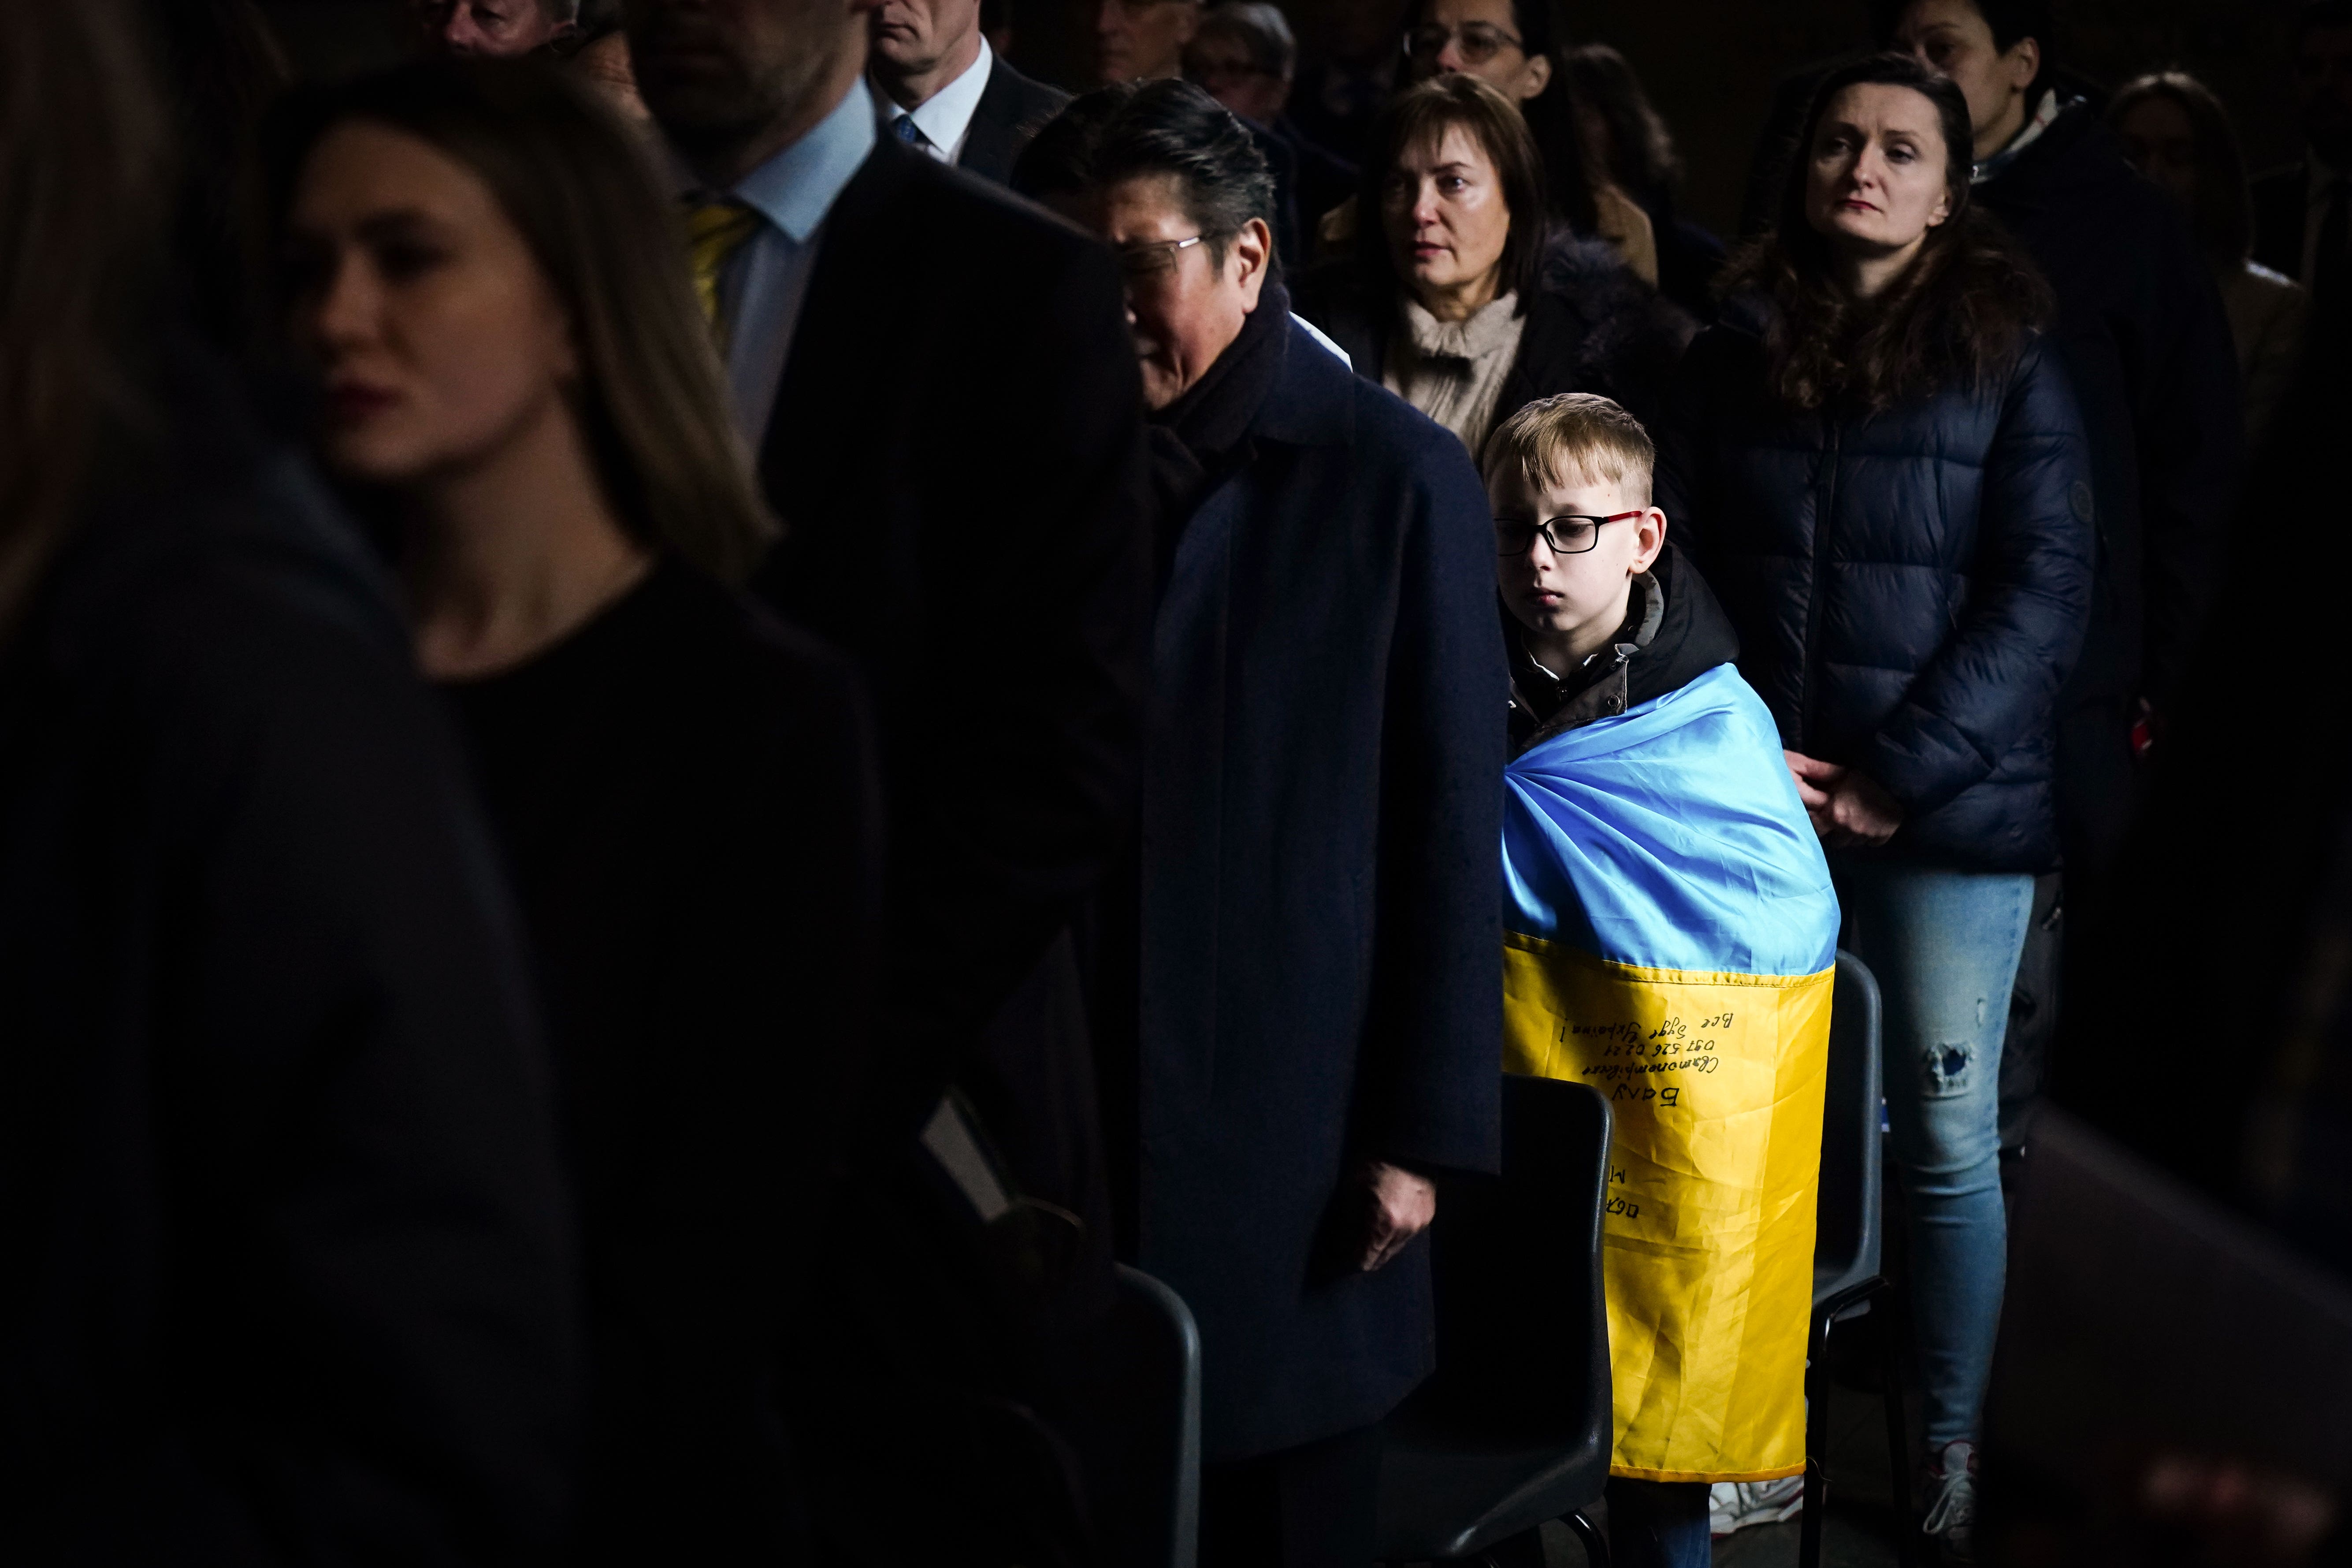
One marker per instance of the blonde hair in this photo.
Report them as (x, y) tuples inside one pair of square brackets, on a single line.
[(1574, 434)]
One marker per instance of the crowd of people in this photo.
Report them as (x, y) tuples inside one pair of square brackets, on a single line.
[(706, 707)]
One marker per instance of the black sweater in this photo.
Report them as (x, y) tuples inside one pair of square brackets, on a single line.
[(684, 792)]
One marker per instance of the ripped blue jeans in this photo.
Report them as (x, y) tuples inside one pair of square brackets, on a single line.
[(1944, 946)]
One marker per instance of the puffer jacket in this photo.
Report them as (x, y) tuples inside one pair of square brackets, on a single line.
[(1909, 588)]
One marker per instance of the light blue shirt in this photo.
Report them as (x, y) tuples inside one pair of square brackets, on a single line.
[(767, 279), (945, 117)]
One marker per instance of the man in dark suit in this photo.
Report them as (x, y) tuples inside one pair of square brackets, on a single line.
[(2303, 212), (944, 89), (940, 383)]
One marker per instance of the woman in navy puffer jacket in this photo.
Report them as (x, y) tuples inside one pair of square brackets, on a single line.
[(1882, 471)]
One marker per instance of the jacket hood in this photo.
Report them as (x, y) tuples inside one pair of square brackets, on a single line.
[(1692, 637)]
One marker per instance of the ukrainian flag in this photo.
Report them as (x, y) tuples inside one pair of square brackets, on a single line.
[(1671, 939)]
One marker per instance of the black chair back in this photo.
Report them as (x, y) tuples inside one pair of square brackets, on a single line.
[(1522, 1335), (1848, 1212)]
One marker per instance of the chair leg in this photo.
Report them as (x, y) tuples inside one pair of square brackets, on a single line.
[(1817, 1443), (1595, 1544), (1898, 1438)]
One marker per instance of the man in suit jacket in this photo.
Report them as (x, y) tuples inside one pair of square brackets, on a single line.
[(945, 91), (940, 383), (2303, 212)]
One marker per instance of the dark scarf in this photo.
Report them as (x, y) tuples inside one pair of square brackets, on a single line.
[(1202, 439)]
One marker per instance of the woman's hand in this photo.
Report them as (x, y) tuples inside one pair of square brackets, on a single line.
[(1848, 809)]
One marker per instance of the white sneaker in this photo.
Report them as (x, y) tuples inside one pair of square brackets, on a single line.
[(1952, 1502), (1735, 1505)]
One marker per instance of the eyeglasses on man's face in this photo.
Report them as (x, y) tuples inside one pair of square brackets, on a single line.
[(1566, 535), (1154, 260), (1476, 44)]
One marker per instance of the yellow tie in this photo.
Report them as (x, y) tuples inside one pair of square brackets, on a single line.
[(715, 231)]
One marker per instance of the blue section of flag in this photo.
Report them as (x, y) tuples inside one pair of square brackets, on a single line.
[(1672, 838)]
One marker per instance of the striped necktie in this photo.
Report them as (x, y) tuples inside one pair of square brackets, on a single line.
[(715, 231)]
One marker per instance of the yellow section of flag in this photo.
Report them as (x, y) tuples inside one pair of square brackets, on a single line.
[(1715, 1082)]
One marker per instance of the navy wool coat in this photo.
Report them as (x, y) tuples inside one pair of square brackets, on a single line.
[(1321, 979), (1909, 588)]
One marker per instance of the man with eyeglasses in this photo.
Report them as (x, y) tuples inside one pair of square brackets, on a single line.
[(504, 29), (1246, 57), (1298, 1005), (1140, 40)]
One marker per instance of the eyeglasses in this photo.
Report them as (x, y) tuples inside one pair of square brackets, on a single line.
[(1565, 535), (1144, 261), (1478, 43)]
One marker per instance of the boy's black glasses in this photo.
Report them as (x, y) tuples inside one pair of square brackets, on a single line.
[(1565, 535)]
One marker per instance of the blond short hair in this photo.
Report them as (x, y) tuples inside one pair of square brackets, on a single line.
[(1574, 434)]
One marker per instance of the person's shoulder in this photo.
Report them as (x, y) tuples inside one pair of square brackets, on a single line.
[(1020, 100)]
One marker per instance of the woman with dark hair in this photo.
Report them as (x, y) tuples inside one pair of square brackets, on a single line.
[(1461, 297), (288, 1270), (518, 380), (1514, 47), (1883, 475), (1631, 150), (2175, 132), (1295, 1020)]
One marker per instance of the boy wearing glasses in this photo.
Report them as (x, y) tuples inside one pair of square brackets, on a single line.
[(1670, 939)]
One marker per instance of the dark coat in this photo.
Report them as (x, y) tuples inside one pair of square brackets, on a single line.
[(1322, 898), (2147, 346), (956, 455), (288, 1260), (2282, 217), (1591, 326), (684, 791), (1908, 590), (1010, 110)]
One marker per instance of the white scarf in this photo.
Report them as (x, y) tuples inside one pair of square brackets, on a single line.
[(1454, 370)]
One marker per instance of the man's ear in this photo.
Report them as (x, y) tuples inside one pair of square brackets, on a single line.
[(1535, 76), (1253, 253), (2024, 62)]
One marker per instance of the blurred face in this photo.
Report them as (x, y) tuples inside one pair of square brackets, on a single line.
[(1875, 177), (2161, 141), (913, 37), (1447, 223), (437, 337), (2322, 85), (1579, 597), (1184, 306), (1481, 38), (503, 28), (716, 72), (1141, 38), (1952, 38), (1221, 63)]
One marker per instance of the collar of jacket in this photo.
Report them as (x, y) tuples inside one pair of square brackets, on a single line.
[(1604, 695), (2074, 150)]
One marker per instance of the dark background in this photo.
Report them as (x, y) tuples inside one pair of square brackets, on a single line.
[(1710, 65)]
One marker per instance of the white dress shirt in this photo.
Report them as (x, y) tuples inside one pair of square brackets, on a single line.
[(761, 292), (945, 117)]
